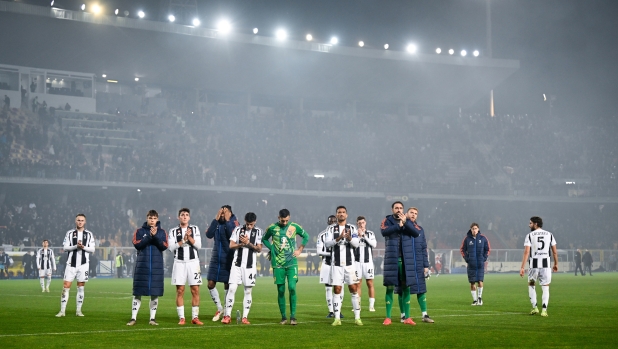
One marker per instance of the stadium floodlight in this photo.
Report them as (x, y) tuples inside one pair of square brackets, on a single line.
[(386, 46), (224, 26), (411, 48), (171, 18), (96, 9), (196, 22), (136, 79), (476, 53), (438, 50), (318, 176), (281, 34), (52, 3), (361, 43), (116, 12), (464, 53), (334, 40), (138, 190), (140, 14), (104, 76), (255, 30), (309, 37), (83, 7), (451, 52)]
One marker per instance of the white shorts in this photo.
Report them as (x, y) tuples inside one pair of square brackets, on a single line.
[(341, 275), (45, 272), (80, 273), (542, 274), (365, 270), (325, 270), (240, 275), (186, 272)]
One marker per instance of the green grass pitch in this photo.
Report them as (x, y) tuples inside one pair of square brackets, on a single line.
[(583, 312)]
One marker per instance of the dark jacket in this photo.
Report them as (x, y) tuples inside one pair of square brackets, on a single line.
[(221, 258), (407, 242), (148, 273), (475, 252), (587, 258), (578, 257)]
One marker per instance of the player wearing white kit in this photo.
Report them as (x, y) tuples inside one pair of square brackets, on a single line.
[(46, 263), (184, 241), (247, 242), (342, 238), (79, 244), (364, 260), (325, 267), (537, 246)]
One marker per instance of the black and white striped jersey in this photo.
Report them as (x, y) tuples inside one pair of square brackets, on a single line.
[(366, 243), (77, 257), (45, 259), (186, 252), (246, 257), (540, 242), (321, 247), (342, 252)]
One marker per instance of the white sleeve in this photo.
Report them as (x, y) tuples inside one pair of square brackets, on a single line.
[(235, 235), (38, 257), (53, 259), (197, 237), (66, 245), (172, 244), (90, 246), (370, 239), (355, 241), (553, 240), (258, 237), (329, 241), (527, 241)]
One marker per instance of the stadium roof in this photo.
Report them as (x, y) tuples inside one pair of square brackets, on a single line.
[(181, 56)]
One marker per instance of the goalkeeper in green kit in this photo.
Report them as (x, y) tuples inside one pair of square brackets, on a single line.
[(283, 253)]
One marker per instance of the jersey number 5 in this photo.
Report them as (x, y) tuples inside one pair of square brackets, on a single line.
[(541, 241)]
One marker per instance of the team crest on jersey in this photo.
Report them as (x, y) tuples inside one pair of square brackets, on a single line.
[(471, 243), (290, 232)]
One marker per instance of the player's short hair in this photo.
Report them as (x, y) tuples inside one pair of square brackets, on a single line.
[(80, 214), (395, 203), (412, 208), (343, 207), (45, 240), (184, 209), (284, 213), (474, 225), (152, 213), (360, 218), (250, 217), (228, 207), (332, 216), (537, 220)]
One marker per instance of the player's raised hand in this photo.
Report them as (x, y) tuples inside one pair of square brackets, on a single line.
[(244, 239), (153, 231), (348, 234)]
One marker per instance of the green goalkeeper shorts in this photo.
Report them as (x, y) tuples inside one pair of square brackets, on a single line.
[(281, 273)]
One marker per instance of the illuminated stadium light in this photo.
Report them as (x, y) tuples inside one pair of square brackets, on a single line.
[(438, 50), (451, 52), (140, 14), (136, 79), (104, 76), (464, 53), (116, 12), (96, 9), (309, 37), (318, 176), (196, 22), (334, 40), (52, 3), (386, 46), (83, 7), (113, 81), (411, 48), (281, 34), (361, 43), (224, 26), (171, 18), (255, 30), (476, 53)]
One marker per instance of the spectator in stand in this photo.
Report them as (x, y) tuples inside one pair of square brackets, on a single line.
[(587, 259)]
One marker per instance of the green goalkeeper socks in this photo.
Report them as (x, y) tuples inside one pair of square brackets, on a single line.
[(406, 301), (422, 301), (281, 299), (292, 289), (389, 300)]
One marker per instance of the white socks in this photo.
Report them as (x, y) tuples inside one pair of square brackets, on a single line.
[(229, 300), (480, 290), (329, 298), (356, 305), (154, 303), (532, 295), (137, 302), (180, 311), (247, 302), (80, 297), (372, 302), (42, 283), (337, 298), (48, 281), (195, 311), (474, 297), (64, 298), (214, 294), (545, 296)]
